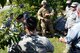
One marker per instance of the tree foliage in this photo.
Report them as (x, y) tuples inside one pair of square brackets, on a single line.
[(8, 35), (3, 2)]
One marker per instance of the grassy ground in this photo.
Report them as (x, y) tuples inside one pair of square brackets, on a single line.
[(3, 51), (58, 46)]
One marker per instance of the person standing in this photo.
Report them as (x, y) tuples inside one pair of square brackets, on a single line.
[(44, 16)]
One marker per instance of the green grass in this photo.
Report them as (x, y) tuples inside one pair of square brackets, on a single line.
[(3, 51), (58, 46)]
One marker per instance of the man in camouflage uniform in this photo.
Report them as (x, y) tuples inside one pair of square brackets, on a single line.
[(71, 16), (71, 21), (44, 16)]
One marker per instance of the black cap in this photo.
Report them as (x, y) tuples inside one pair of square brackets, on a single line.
[(31, 23), (26, 14)]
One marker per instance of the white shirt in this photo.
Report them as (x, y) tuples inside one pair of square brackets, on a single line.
[(71, 19), (74, 34)]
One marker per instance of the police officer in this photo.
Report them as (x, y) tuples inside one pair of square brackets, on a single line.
[(44, 15), (33, 43)]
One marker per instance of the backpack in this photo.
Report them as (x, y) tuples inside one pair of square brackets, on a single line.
[(60, 24), (15, 49), (31, 47), (35, 46)]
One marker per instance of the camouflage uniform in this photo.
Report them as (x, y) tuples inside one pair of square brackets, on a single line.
[(72, 19), (35, 44), (46, 20)]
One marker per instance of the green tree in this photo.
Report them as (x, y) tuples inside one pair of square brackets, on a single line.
[(3, 2)]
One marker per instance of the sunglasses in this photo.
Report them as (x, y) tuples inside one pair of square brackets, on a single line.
[(73, 6)]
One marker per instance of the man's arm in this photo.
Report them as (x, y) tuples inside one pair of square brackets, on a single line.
[(52, 12), (39, 14), (50, 47), (72, 33)]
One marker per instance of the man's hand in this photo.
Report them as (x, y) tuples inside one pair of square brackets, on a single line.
[(47, 14), (61, 39)]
